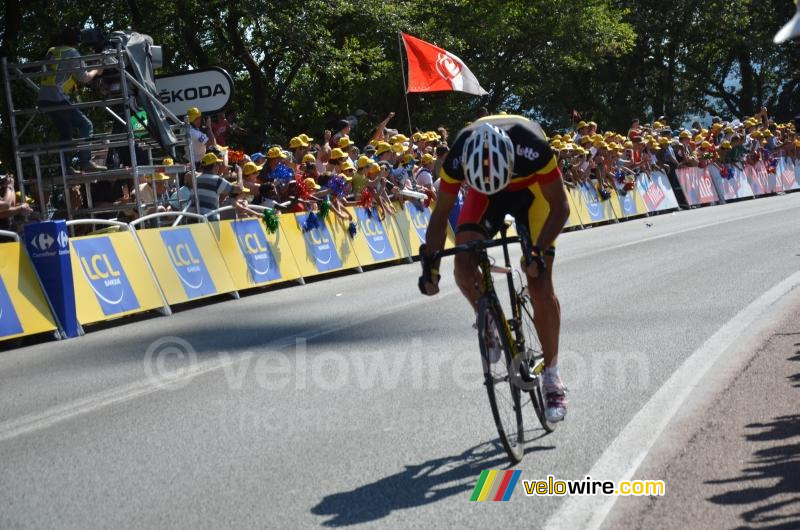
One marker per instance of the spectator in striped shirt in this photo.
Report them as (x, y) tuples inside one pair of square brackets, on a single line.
[(211, 187)]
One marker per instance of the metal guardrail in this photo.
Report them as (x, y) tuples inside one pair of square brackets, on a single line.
[(9, 235)]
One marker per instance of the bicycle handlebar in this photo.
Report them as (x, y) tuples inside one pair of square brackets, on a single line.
[(473, 246)]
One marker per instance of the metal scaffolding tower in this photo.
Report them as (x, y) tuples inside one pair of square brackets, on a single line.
[(43, 168)]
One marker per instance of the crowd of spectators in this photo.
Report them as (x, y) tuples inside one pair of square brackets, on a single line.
[(388, 171), (613, 159), (392, 168)]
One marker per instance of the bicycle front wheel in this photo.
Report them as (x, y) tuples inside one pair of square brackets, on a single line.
[(504, 395)]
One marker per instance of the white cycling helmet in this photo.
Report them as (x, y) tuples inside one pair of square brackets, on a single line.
[(488, 159)]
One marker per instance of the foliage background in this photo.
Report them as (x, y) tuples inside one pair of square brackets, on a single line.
[(300, 66)]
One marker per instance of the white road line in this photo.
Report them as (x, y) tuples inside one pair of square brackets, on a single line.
[(33, 422), (624, 455)]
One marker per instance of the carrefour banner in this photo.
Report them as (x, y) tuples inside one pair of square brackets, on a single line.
[(697, 185), (377, 240), (187, 261), (23, 307), (656, 191), (731, 182), (254, 257)]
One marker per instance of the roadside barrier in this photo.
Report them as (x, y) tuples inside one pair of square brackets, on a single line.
[(24, 309), (111, 276), (125, 269), (187, 260), (253, 257)]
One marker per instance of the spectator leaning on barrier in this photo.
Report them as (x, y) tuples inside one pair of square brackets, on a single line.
[(57, 87), (211, 187), (424, 172)]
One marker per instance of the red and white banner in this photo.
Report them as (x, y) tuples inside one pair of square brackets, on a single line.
[(697, 185), (432, 69)]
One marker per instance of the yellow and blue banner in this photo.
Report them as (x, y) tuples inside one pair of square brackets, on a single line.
[(494, 485), (254, 257), (377, 240), (23, 307), (628, 204), (412, 221), (111, 278), (318, 247), (597, 209), (187, 262)]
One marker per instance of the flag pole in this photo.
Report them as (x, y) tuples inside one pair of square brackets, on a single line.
[(405, 85)]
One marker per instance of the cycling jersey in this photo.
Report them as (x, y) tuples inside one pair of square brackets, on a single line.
[(533, 160)]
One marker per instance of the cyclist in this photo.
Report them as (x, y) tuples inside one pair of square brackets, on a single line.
[(510, 169)]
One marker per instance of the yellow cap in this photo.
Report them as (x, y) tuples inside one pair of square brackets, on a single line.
[(157, 177), (337, 153), (363, 161), (276, 152), (209, 159), (249, 168), (345, 142), (296, 143), (193, 113), (309, 158), (311, 183)]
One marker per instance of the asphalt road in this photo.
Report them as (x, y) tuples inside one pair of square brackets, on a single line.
[(356, 401)]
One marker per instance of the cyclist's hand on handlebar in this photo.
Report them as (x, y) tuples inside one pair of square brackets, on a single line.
[(428, 283)]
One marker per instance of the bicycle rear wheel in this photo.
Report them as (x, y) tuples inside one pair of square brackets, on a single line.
[(504, 395), (533, 354)]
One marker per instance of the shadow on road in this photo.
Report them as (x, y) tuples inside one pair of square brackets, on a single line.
[(417, 485), (776, 504)]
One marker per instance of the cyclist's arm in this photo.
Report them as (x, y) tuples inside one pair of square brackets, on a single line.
[(437, 226), (553, 193)]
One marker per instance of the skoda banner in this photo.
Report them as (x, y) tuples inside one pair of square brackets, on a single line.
[(208, 89)]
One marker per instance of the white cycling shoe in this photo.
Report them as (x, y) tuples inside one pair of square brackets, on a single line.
[(555, 397)]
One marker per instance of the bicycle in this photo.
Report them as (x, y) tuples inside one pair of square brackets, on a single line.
[(524, 365)]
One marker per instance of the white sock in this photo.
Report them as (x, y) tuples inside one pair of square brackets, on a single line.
[(551, 372)]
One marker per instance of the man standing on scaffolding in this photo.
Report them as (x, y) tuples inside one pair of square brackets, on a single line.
[(63, 81)]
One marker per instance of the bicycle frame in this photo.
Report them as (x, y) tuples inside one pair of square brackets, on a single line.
[(513, 325)]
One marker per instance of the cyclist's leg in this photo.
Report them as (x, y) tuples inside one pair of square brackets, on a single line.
[(471, 227), (466, 270), (546, 307)]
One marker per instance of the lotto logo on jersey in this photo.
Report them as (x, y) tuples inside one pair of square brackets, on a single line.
[(527, 152)]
